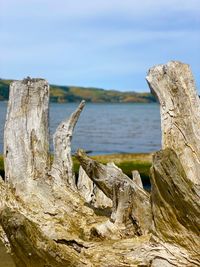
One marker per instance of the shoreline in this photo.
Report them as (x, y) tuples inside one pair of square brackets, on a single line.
[(126, 161)]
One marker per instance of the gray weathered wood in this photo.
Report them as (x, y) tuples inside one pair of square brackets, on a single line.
[(174, 86), (26, 134), (137, 178), (175, 203), (46, 222), (85, 186), (91, 193), (62, 167), (131, 204)]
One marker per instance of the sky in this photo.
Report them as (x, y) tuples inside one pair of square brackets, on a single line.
[(108, 44)]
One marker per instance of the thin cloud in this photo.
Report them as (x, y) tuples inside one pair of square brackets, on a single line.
[(79, 8), (110, 43)]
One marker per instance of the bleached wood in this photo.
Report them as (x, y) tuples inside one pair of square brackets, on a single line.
[(137, 178), (101, 200), (36, 249), (26, 136), (46, 222), (175, 203), (174, 86), (85, 186), (91, 193), (62, 167), (131, 204)]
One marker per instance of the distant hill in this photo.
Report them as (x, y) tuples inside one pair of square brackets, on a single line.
[(62, 94)]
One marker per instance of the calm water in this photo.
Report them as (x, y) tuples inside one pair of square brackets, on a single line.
[(107, 128)]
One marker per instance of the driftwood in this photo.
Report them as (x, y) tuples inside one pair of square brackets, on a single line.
[(49, 219), (137, 178), (91, 193), (131, 204)]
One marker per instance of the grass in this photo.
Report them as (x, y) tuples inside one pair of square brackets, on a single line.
[(127, 162)]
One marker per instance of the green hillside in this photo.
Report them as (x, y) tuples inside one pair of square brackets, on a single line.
[(64, 94), (4, 89)]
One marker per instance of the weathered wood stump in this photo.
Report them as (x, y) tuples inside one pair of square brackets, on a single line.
[(48, 219)]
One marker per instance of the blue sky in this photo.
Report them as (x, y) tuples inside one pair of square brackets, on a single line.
[(103, 43)]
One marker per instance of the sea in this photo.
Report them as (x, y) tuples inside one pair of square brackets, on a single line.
[(106, 128)]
